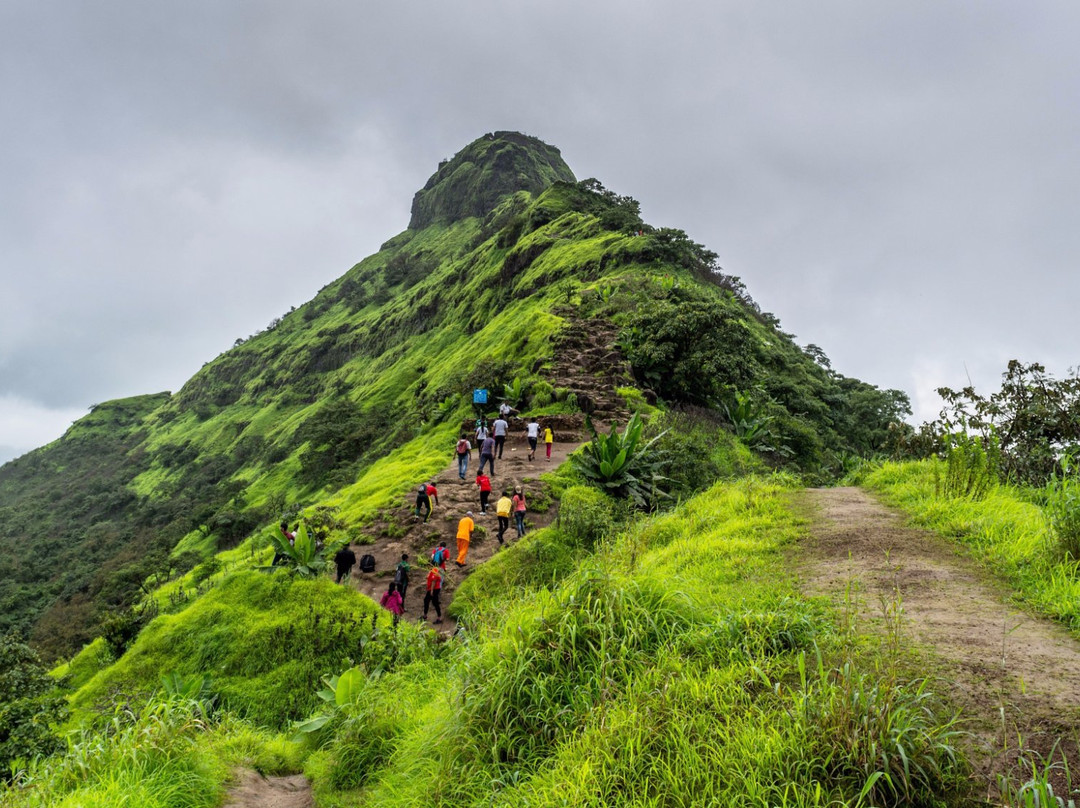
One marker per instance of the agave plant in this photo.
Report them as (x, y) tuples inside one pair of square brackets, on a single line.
[(748, 422), (622, 464)]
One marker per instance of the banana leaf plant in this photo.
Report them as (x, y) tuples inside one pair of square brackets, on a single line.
[(303, 557)]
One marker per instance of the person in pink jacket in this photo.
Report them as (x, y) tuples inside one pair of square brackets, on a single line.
[(391, 601)]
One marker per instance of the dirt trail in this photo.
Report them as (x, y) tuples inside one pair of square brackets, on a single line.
[(256, 791), (1016, 678)]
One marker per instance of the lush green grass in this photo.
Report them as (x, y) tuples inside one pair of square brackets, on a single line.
[(677, 665), (669, 661), (1005, 530), (172, 754), (265, 639)]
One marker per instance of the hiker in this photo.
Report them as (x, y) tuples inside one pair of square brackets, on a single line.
[(391, 601), (440, 555), (288, 534), (422, 503), (498, 432), (401, 577), (464, 451), (505, 410), (484, 482), (344, 560), (532, 432), (464, 535), (549, 438), (432, 492), (519, 512), (502, 511), (434, 587), (481, 430), (487, 454)]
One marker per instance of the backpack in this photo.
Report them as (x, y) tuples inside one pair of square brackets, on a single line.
[(401, 576), (463, 446), (367, 563), (439, 555)]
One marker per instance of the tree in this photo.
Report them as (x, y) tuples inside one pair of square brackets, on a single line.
[(29, 706), (1035, 417)]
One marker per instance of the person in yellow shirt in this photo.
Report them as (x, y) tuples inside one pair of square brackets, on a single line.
[(464, 535), (502, 510), (549, 438)]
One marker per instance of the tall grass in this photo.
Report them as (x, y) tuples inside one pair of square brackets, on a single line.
[(170, 754)]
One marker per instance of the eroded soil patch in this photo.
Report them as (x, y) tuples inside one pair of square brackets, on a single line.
[(1015, 677), (256, 791)]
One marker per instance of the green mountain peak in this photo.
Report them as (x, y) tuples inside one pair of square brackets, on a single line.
[(486, 171)]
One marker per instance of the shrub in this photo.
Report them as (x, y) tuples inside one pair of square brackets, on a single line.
[(971, 465), (585, 514), (28, 707), (1063, 508)]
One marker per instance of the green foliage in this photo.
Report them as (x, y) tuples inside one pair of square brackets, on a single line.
[(640, 678), (1063, 508), (586, 515), (30, 708), (882, 733), (478, 177), (690, 349), (623, 465), (698, 451), (749, 421), (971, 465), (1034, 416), (304, 556), (514, 392)]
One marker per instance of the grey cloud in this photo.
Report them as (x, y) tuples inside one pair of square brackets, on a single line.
[(896, 181)]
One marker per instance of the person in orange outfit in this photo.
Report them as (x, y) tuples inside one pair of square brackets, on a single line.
[(464, 535)]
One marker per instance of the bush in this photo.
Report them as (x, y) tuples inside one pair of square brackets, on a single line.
[(585, 514), (1063, 508), (971, 465), (28, 707)]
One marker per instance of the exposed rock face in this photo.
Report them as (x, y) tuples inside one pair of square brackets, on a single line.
[(485, 172)]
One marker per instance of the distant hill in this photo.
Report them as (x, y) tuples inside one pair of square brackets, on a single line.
[(508, 264)]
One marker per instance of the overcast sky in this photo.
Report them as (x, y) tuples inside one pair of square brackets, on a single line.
[(898, 182)]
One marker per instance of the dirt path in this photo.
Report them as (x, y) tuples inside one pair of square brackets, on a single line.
[(256, 791), (1016, 678)]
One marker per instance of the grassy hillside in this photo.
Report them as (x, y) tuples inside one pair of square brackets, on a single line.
[(350, 398), (673, 663)]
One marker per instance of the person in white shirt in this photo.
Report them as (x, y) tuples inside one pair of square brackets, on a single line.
[(498, 431), (532, 432)]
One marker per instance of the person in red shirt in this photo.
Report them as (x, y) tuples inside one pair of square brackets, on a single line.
[(431, 596), (484, 482), (432, 492), (439, 555)]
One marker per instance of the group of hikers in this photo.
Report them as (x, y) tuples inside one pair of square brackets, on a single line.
[(511, 504), (491, 440)]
